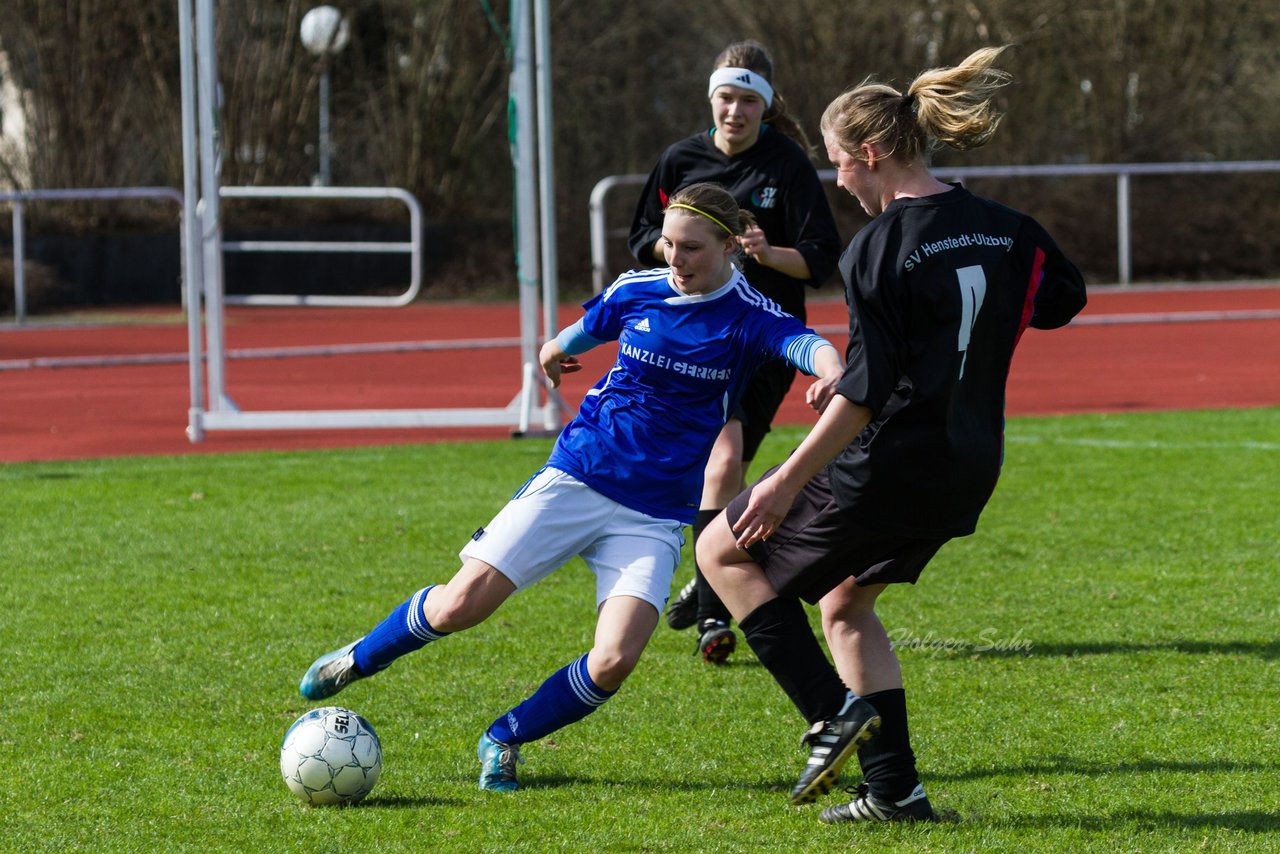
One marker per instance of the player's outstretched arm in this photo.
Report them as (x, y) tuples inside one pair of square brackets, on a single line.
[(556, 362), (559, 355), (829, 367), (772, 498)]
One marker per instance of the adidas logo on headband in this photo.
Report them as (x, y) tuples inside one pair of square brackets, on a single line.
[(743, 78)]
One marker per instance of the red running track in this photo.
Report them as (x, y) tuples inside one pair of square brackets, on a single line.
[(1142, 349)]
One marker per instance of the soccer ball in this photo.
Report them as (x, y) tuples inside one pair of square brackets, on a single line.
[(331, 756)]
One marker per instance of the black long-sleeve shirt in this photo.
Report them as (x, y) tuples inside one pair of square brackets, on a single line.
[(772, 179)]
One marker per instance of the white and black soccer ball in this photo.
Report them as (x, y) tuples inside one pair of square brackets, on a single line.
[(331, 757)]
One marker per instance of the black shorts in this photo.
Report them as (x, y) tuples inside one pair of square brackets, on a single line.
[(764, 394), (819, 545)]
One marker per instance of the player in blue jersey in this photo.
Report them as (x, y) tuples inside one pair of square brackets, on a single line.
[(941, 284), (625, 475), (759, 153)]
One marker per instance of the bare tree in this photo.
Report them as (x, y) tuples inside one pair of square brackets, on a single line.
[(95, 116)]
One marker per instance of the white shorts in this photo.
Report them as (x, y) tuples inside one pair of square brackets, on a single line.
[(555, 516)]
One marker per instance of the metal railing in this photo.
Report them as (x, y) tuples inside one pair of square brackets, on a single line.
[(20, 198), (600, 232), (413, 246)]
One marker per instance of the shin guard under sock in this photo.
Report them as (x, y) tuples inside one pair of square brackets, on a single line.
[(567, 696), (404, 630), (779, 634), (888, 763)]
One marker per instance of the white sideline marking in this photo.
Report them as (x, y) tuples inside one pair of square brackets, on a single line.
[(1136, 318), (487, 343), (258, 353), (1176, 317), (1146, 444)]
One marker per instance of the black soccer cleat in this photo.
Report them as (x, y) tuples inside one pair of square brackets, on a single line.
[(716, 641), (683, 610), (864, 807), (831, 743)]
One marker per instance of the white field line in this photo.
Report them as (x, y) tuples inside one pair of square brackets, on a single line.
[(1135, 318), (259, 353), (1176, 317), (1145, 444), (488, 343)]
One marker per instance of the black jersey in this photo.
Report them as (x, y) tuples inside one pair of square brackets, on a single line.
[(772, 179), (940, 289)]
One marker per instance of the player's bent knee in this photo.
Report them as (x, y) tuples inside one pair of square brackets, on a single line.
[(716, 546), (451, 613), (609, 668)]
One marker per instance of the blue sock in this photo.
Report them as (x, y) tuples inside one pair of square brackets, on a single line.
[(568, 695), (404, 630)]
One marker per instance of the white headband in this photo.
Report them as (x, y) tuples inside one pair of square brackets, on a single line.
[(743, 78)]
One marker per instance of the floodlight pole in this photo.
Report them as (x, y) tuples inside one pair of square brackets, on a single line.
[(324, 33), (326, 174)]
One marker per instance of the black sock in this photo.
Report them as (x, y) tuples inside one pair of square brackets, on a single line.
[(779, 634), (709, 605), (888, 763)]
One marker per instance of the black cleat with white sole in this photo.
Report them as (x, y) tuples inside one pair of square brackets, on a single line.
[(683, 610), (864, 807), (831, 743)]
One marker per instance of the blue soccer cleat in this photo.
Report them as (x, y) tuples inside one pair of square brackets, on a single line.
[(330, 673), (498, 764)]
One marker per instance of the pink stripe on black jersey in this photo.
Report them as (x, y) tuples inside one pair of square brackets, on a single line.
[(1029, 303)]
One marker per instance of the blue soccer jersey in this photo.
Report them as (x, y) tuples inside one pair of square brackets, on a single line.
[(644, 431)]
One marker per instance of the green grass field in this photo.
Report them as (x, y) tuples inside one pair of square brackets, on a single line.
[(1095, 670)]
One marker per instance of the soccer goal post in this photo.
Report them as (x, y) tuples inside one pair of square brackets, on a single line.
[(534, 407)]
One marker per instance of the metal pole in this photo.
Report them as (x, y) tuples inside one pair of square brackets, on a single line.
[(190, 227), (211, 225), (526, 203), (326, 176), (547, 194), (19, 264), (599, 228), (1122, 228)]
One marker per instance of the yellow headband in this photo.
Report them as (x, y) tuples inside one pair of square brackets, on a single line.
[(707, 215)]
